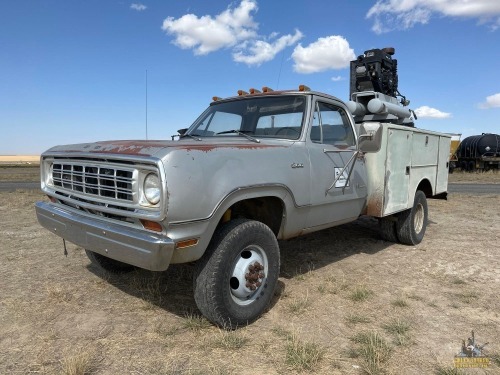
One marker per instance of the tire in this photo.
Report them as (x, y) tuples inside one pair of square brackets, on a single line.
[(230, 287), (411, 224), (108, 264), (452, 166), (471, 166), (387, 226)]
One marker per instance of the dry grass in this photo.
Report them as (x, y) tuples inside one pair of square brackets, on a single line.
[(82, 363), (353, 319), (374, 350), (441, 370), (399, 329), (400, 302), (303, 356), (195, 322), (299, 305), (360, 293), (17, 174), (407, 307), (490, 177), (230, 340)]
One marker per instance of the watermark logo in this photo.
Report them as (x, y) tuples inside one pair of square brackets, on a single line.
[(471, 354)]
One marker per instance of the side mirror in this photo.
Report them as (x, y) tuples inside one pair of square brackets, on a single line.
[(370, 137), (182, 131)]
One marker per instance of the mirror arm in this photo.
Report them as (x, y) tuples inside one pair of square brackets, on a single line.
[(353, 157)]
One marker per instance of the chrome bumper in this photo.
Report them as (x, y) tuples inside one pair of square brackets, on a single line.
[(129, 245)]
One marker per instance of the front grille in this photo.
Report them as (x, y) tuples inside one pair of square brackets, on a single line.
[(109, 182)]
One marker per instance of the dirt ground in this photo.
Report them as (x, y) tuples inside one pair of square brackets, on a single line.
[(347, 303)]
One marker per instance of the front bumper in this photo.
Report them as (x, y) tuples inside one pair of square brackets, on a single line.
[(129, 245)]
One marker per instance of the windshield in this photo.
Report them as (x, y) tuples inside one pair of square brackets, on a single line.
[(273, 116)]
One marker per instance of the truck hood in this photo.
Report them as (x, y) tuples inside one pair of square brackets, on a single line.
[(161, 148)]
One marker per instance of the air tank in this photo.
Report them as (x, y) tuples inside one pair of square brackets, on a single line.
[(357, 109), (379, 106)]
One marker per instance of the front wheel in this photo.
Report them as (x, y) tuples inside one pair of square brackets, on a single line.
[(412, 223), (235, 279)]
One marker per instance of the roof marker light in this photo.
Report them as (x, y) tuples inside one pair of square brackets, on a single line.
[(216, 98), (267, 89), (241, 93), (304, 88), (254, 91)]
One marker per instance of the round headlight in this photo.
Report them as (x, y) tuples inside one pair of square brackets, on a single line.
[(152, 190)]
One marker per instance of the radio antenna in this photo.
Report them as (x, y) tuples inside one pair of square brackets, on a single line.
[(146, 104), (279, 73)]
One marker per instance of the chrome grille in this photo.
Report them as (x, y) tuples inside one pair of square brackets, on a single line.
[(109, 182)]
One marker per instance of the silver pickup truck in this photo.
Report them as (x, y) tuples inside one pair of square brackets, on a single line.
[(251, 170)]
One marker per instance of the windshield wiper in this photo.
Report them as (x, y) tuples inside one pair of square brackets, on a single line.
[(194, 136), (240, 132)]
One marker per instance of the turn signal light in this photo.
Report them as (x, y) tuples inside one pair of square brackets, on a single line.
[(151, 225), (186, 243)]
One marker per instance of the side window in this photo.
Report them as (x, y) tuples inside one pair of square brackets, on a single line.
[(331, 126)]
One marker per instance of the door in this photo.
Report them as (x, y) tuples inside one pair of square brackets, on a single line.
[(332, 143), (398, 170)]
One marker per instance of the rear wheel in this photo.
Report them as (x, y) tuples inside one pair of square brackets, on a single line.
[(412, 223), (235, 280), (108, 264), (387, 227)]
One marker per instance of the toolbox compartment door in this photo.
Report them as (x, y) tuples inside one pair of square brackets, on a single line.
[(397, 170)]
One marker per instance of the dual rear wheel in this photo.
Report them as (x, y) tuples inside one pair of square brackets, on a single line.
[(407, 227)]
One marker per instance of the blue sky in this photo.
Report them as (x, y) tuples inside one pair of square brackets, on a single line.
[(75, 71)]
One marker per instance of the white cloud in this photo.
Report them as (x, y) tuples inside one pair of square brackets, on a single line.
[(260, 51), (403, 14), (337, 78), (208, 34), (428, 112), (138, 7), (492, 101), (332, 52)]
